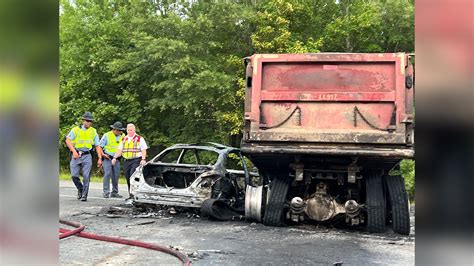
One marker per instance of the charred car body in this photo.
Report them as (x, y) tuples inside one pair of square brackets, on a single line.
[(188, 175), (324, 131)]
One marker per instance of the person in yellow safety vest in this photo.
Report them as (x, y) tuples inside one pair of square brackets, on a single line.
[(80, 141), (109, 143), (133, 149)]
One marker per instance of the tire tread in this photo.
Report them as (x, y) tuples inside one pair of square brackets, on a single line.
[(274, 208), (375, 203), (399, 202)]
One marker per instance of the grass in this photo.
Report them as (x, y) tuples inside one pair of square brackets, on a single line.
[(94, 178)]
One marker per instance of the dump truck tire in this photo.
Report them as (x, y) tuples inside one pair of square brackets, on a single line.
[(274, 209), (375, 203), (399, 202)]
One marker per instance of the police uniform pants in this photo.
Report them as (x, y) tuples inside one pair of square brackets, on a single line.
[(129, 167), (83, 163), (111, 172)]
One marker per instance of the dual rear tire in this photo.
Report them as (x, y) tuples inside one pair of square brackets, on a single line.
[(400, 209), (375, 203), (379, 195)]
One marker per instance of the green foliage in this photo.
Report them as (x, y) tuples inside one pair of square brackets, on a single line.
[(371, 26), (407, 167), (170, 67), (175, 68), (286, 27)]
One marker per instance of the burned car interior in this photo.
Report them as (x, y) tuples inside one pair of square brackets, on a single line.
[(179, 168), (187, 175)]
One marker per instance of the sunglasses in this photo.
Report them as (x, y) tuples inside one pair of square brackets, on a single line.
[(90, 121)]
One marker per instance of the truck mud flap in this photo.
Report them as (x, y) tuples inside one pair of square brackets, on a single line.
[(399, 202), (274, 210), (219, 210)]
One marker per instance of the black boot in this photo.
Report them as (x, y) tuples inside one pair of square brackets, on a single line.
[(79, 194)]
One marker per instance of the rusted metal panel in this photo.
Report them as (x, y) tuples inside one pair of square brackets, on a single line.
[(308, 95), (328, 137), (319, 149), (340, 117), (328, 98), (329, 77)]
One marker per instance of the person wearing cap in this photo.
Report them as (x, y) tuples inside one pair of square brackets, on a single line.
[(133, 149), (109, 143), (80, 141)]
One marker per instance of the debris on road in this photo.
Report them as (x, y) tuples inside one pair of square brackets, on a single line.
[(140, 223), (196, 255)]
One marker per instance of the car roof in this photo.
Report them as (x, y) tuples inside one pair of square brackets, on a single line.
[(206, 146)]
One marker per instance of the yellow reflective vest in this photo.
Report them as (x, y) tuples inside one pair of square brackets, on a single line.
[(84, 138), (131, 148), (112, 142)]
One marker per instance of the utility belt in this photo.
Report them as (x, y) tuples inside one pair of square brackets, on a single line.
[(133, 159), (110, 157), (83, 152)]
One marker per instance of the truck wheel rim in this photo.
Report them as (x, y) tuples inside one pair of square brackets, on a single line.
[(253, 203)]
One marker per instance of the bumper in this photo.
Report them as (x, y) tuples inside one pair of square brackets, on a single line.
[(397, 152)]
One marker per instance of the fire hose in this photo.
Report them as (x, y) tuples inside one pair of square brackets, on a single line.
[(79, 232)]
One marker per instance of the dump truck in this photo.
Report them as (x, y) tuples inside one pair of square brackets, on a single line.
[(325, 130)]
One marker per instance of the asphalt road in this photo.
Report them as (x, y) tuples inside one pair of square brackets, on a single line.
[(215, 243)]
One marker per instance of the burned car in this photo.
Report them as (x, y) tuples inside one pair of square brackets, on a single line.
[(187, 175)]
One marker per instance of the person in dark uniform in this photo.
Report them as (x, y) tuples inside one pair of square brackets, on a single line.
[(80, 141), (109, 143)]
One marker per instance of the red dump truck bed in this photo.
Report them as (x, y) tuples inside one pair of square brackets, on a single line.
[(329, 103)]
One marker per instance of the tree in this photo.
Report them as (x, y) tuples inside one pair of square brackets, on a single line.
[(370, 26)]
